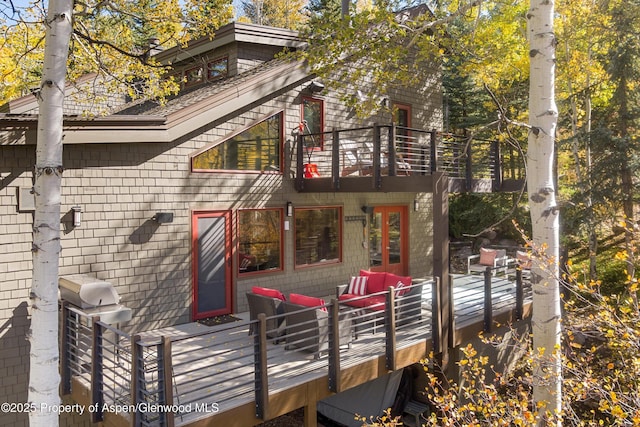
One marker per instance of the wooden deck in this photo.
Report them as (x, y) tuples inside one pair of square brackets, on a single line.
[(210, 375)]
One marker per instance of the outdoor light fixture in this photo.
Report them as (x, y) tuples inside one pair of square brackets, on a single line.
[(315, 87), (289, 211), (416, 205), (77, 215), (367, 209), (163, 217)]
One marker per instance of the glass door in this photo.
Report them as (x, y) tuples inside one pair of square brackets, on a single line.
[(211, 264), (388, 239)]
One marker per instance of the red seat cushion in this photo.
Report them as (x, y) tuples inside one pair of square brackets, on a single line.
[(307, 301), (375, 280), (376, 302), (268, 292)]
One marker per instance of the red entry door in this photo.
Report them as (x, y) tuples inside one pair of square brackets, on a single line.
[(211, 264), (388, 239)]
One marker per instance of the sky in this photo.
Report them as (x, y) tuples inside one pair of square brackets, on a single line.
[(23, 3)]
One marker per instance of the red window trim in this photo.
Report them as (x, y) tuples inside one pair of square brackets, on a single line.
[(340, 237), (260, 272)]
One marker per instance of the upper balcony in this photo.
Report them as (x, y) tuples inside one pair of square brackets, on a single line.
[(392, 158)]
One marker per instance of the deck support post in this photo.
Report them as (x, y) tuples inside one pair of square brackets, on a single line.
[(390, 330), (260, 364), (97, 386), (440, 193), (65, 363), (488, 302)]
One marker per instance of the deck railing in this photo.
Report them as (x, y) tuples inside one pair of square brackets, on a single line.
[(390, 150), (167, 380)]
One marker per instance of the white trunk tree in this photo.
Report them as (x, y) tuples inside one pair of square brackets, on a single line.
[(44, 378), (543, 117)]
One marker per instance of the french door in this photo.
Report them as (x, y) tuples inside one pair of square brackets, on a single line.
[(212, 276), (388, 239)]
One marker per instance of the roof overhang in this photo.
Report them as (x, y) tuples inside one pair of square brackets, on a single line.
[(20, 129)]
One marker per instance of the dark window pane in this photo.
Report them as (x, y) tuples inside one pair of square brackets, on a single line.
[(318, 235)]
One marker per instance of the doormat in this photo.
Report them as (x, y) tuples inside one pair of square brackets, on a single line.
[(218, 320)]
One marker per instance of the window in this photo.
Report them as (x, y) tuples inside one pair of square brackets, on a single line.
[(218, 69), (259, 240), (318, 235), (257, 148), (313, 116), (193, 76)]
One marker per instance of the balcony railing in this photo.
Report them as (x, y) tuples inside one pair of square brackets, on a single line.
[(390, 150), (171, 379)]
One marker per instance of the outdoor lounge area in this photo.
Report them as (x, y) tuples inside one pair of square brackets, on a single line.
[(250, 370)]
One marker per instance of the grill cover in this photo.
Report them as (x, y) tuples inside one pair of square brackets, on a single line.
[(87, 292)]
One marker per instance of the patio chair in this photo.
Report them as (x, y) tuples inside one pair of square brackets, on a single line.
[(353, 159), (271, 307), (307, 328), (402, 167), (495, 258)]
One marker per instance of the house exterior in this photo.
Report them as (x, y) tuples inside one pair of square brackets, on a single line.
[(184, 207)]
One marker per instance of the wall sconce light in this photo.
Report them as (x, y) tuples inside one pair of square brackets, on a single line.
[(163, 217), (289, 209), (77, 215), (416, 205), (315, 87), (367, 209)]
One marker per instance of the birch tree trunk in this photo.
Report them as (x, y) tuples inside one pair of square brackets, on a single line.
[(543, 116), (44, 378)]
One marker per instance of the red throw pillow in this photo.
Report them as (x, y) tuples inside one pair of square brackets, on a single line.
[(357, 285), (375, 280), (393, 279), (487, 256), (523, 259), (268, 292), (307, 301)]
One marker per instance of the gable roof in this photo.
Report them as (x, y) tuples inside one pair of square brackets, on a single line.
[(180, 117)]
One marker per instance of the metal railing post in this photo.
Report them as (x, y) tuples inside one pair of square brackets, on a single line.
[(391, 160), (434, 151), (137, 378), (335, 157), (65, 362), (165, 379), (299, 163), (334, 346), (377, 173), (436, 315), (469, 166), (260, 368), (390, 330), (488, 303), (519, 294), (497, 166), (97, 384)]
